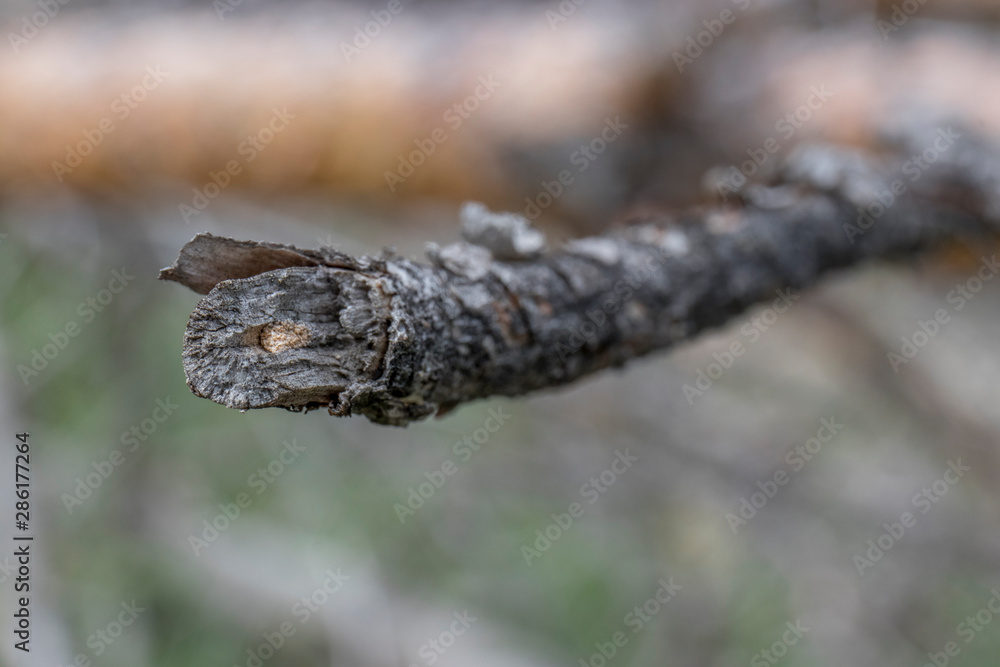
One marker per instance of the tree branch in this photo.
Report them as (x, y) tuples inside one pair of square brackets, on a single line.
[(396, 340)]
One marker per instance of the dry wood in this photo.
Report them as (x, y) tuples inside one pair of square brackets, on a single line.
[(498, 314)]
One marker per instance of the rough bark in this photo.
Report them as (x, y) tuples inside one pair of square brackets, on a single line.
[(497, 314)]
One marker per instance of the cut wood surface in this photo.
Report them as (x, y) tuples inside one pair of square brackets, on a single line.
[(500, 314)]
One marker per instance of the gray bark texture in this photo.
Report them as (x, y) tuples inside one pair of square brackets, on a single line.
[(499, 314)]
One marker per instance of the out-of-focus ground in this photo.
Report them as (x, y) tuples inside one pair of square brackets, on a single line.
[(861, 446)]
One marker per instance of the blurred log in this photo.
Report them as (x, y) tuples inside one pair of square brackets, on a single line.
[(362, 108), (396, 340), (105, 126)]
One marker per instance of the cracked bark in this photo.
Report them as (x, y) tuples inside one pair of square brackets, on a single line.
[(397, 340)]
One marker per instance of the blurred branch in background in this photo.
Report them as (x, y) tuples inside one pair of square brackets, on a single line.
[(460, 102)]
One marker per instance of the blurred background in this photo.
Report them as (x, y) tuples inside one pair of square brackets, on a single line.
[(815, 505)]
